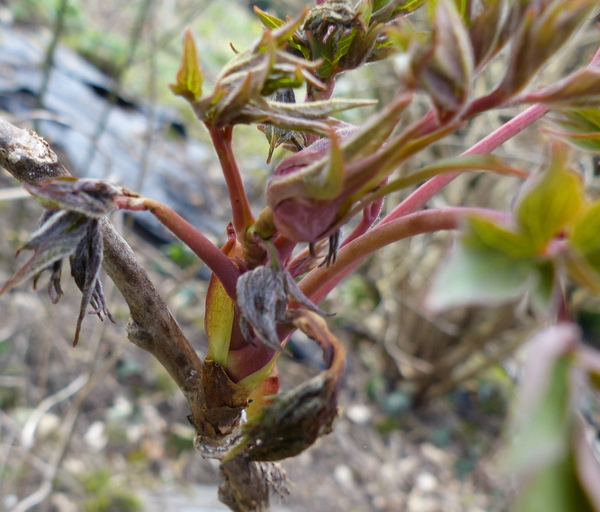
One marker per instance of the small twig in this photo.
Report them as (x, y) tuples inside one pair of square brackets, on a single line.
[(135, 36), (13, 193), (59, 25), (28, 433)]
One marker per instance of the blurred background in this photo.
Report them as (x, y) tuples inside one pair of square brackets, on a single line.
[(101, 427)]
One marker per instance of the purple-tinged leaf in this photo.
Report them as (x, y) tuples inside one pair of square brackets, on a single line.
[(54, 288), (57, 238), (92, 198), (263, 295), (544, 28), (85, 267), (579, 90), (446, 75)]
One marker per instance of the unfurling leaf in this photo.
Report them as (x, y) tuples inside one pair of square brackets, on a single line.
[(268, 20), (240, 89), (444, 67), (296, 419), (189, 77), (309, 190), (85, 267), (387, 10)]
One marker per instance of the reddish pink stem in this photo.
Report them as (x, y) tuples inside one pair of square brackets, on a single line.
[(320, 281), (208, 252), (505, 132), (240, 206), (426, 191)]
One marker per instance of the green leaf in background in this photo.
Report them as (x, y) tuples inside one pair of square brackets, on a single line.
[(556, 489), (189, 77), (268, 20), (579, 127), (495, 236), (493, 264), (541, 454), (543, 424), (476, 274), (584, 234), (550, 201)]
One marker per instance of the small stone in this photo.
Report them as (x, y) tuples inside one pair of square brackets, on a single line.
[(426, 482), (95, 438), (343, 476), (359, 414)]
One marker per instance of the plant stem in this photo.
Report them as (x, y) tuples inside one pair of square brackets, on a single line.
[(240, 206), (208, 252), (320, 281), (507, 131)]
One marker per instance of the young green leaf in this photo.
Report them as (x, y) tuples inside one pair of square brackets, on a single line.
[(189, 77), (479, 275), (268, 20), (583, 235), (579, 127), (550, 201)]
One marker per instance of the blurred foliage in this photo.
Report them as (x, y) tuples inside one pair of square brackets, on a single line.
[(104, 493)]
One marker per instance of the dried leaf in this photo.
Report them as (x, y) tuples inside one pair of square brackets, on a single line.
[(85, 268), (262, 296), (91, 198)]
